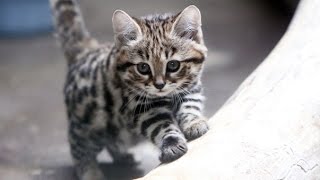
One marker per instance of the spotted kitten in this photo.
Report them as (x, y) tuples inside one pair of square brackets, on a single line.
[(144, 86)]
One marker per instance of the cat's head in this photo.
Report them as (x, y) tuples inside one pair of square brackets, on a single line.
[(159, 54)]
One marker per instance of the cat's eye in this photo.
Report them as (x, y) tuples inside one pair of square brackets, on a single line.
[(173, 66), (143, 68)]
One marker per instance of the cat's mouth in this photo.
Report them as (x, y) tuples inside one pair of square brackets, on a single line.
[(169, 90), (162, 93), (150, 91), (157, 92)]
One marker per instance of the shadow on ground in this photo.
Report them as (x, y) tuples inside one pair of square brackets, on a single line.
[(111, 171)]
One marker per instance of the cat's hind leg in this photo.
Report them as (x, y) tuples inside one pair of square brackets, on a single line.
[(84, 150), (119, 152)]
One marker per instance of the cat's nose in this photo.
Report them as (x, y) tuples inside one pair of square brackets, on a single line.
[(159, 82), (159, 85)]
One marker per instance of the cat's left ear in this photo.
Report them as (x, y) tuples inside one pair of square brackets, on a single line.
[(188, 24), (125, 28)]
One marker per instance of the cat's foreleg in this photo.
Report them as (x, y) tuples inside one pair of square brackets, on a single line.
[(190, 118), (159, 126)]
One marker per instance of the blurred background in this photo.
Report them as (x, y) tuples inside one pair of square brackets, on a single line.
[(33, 139)]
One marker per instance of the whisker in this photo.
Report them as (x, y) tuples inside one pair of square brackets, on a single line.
[(138, 101), (130, 101), (144, 102)]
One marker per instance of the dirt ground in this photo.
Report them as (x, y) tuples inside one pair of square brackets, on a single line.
[(33, 143)]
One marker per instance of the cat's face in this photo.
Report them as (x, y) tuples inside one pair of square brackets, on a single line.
[(158, 55)]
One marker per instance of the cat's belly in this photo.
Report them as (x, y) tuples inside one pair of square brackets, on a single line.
[(126, 134), (128, 138)]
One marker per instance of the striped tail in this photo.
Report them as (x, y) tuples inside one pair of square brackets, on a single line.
[(70, 27)]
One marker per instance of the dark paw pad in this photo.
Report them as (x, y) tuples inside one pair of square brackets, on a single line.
[(197, 129), (172, 148)]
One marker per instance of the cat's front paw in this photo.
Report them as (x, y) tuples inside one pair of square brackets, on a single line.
[(172, 148), (195, 129)]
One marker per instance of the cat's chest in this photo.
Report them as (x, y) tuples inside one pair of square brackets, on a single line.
[(134, 105)]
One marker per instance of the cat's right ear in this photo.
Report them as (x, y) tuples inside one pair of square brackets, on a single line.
[(125, 28)]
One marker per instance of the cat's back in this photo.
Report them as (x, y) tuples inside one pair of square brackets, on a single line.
[(85, 77)]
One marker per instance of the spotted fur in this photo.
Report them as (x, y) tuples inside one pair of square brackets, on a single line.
[(111, 104)]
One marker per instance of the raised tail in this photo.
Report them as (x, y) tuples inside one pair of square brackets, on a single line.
[(70, 27)]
